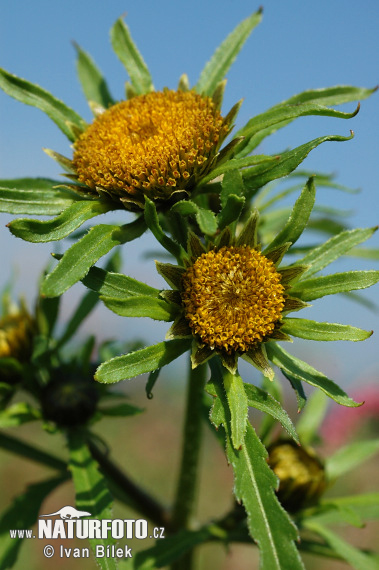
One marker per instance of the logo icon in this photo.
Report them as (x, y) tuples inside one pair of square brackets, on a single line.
[(68, 513)]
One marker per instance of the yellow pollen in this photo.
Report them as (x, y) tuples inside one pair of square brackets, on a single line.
[(152, 144), (232, 298)]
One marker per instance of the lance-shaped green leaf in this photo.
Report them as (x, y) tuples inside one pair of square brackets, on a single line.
[(317, 547), (245, 148), (151, 381), (6, 390), (320, 179), (367, 303), (255, 178), (269, 525), (141, 306), (309, 423), (64, 117), (313, 330), (18, 414), (337, 212), (116, 285), (47, 315), (317, 287), (120, 410), (365, 253), (273, 389), (80, 257), (217, 67), (232, 185), (85, 306), (22, 514), (259, 161), (84, 356), (34, 196), (349, 457), (92, 494), (265, 198), (141, 361), (91, 79), (281, 116), (261, 400), (205, 218), (231, 197), (231, 212), (41, 351), (131, 58), (353, 556), (275, 117), (331, 513), (295, 368), (299, 391), (298, 219), (273, 531), (264, 402), (178, 227), (68, 221), (327, 225), (338, 245), (366, 506), (272, 222), (336, 95), (324, 179), (152, 222), (238, 406)]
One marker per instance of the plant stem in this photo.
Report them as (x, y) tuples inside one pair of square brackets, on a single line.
[(188, 476), (126, 490), (27, 451)]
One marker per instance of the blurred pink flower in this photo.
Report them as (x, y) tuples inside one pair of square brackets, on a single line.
[(343, 424)]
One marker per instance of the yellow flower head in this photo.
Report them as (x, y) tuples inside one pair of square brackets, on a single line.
[(151, 145), (233, 298)]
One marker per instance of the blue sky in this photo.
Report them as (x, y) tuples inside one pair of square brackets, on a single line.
[(298, 46)]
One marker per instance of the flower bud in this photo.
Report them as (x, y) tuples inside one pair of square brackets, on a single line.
[(69, 399), (300, 472), (17, 329)]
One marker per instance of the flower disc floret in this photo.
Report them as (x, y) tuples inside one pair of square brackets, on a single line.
[(152, 145), (232, 298)]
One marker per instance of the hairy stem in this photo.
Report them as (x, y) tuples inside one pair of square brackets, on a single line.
[(188, 475)]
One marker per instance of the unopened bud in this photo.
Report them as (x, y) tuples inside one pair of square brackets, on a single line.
[(300, 472)]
